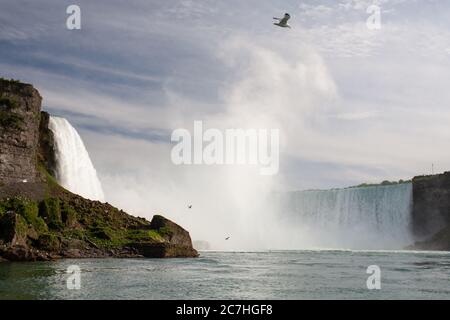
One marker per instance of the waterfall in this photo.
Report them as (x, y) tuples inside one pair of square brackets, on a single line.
[(376, 217), (74, 171)]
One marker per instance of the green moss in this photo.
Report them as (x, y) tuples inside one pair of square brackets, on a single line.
[(165, 231), (52, 184), (74, 234), (40, 225), (155, 235), (144, 236), (104, 233), (63, 216), (68, 215), (49, 242), (21, 227), (27, 209), (50, 211), (107, 237)]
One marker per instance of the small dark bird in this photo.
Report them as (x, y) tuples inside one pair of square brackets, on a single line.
[(227, 238), (190, 206)]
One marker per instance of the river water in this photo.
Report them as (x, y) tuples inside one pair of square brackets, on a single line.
[(308, 274)]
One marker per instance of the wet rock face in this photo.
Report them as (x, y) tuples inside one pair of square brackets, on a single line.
[(438, 242), (20, 106), (46, 151), (431, 204), (171, 232), (165, 250), (431, 212)]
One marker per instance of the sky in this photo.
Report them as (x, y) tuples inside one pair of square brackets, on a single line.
[(353, 104)]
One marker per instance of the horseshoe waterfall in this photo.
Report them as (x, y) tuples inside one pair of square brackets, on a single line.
[(375, 217)]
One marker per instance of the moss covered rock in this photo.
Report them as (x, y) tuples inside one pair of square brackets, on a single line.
[(71, 226), (49, 242), (50, 211), (13, 229)]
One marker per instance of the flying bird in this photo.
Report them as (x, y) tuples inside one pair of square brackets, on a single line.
[(282, 22), (227, 238), (190, 206)]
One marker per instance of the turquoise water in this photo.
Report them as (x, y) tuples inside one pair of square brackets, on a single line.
[(237, 275)]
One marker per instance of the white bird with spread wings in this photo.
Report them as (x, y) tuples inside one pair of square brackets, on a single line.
[(282, 22)]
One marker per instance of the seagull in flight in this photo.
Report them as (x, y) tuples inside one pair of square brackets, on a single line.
[(227, 238), (282, 22), (190, 206)]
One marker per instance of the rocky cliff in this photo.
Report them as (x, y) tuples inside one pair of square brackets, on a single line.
[(40, 220), (431, 212), (19, 131)]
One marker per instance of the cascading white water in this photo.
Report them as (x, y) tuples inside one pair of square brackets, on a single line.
[(74, 171), (376, 217)]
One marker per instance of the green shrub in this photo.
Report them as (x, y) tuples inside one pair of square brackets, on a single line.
[(21, 227), (9, 80), (49, 242), (104, 233), (68, 215), (50, 211), (27, 209)]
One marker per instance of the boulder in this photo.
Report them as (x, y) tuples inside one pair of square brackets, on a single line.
[(13, 229), (170, 231), (23, 253), (176, 241)]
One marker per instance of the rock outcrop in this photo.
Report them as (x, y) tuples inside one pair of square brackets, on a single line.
[(46, 152), (40, 220), (20, 106), (176, 241), (431, 212), (65, 225), (438, 242)]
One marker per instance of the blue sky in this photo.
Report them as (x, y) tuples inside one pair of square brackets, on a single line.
[(355, 105)]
